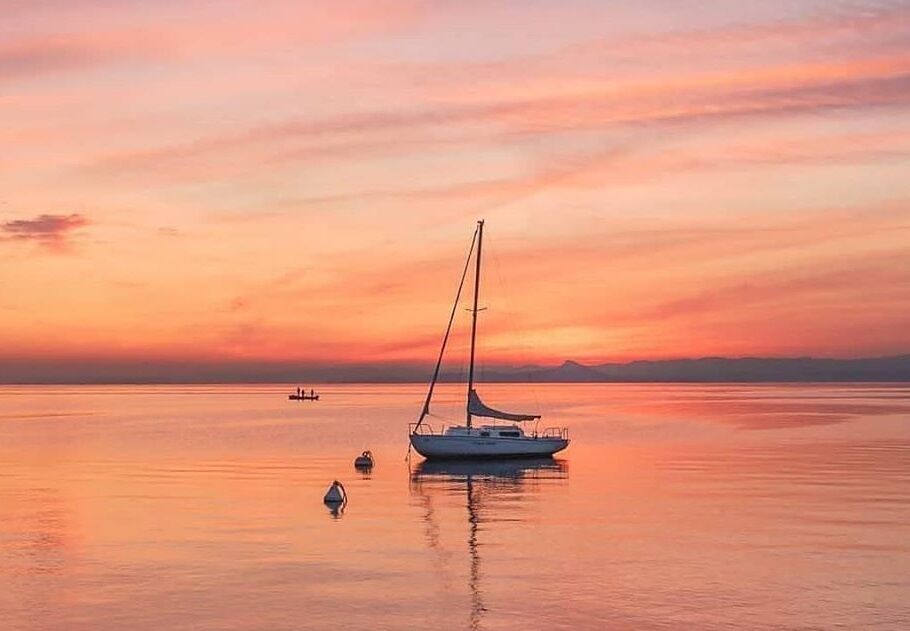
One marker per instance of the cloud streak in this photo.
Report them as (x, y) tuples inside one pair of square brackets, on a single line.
[(813, 89), (52, 232)]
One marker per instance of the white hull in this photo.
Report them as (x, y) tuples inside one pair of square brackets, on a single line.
[(447, 446)]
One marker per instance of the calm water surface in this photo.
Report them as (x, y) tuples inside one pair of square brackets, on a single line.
[(676, 507)]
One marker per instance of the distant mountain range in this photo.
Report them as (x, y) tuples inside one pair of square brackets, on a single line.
[(706, 369), (717, 369)]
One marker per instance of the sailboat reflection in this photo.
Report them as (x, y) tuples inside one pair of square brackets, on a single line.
[(489, 486)]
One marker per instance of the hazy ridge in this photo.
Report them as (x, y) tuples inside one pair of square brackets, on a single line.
[(705, 369), (720, 369)]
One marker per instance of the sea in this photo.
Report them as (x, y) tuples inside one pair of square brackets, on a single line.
[(676, 506)]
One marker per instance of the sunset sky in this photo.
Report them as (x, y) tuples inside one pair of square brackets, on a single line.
[(280, 181)]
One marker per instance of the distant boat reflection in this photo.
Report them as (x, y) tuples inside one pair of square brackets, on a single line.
[(488, 485)]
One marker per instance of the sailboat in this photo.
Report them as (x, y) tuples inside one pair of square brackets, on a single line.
[(483, 441)]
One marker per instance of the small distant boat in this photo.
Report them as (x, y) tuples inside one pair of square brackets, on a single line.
[(301, 395), (486, 441)]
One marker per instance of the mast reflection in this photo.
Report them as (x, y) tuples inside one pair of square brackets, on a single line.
[(487, 485)]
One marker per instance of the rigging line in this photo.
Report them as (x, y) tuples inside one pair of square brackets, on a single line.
[(445, 339), (510, 314), (447, 419)]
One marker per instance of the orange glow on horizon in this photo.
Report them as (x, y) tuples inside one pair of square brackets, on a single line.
[(290, 184)]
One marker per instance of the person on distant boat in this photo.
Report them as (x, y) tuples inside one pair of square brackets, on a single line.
[(298, 392)]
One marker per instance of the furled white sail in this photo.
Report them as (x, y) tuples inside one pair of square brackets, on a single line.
[(479, 408)]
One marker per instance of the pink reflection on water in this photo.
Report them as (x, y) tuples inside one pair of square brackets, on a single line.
[(149, 508)]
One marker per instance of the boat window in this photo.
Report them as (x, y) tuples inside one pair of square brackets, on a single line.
[(484, 434), (510, 434)]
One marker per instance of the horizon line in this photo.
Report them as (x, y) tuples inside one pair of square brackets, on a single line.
[(707, 369)]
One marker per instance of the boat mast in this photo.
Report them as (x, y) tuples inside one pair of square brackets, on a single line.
[(474, 319), (445, 339)]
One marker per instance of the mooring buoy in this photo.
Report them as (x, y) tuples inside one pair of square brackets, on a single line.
[(336, 494), (364, 460)]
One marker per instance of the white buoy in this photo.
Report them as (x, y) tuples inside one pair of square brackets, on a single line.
[(336, 494), (364, 460)]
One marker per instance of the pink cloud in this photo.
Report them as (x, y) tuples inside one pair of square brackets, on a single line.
[(50, 231)]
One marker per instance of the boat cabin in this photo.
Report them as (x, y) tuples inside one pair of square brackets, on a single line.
[(487, 431)]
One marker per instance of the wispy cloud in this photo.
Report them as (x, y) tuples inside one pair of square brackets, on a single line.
[(52, 232), (32, 57), (761, 95), (176, 34)]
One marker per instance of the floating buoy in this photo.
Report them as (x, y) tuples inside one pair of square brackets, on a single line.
[(336, 494), (364, 460)]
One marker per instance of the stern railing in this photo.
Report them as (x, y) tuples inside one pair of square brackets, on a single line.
[(421, 429)]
